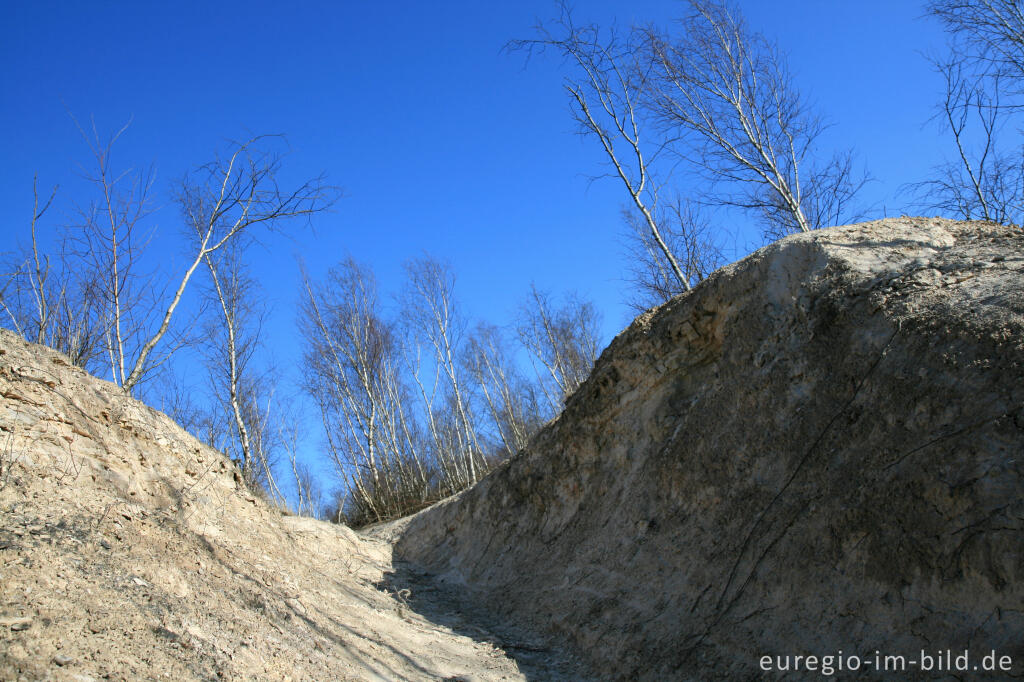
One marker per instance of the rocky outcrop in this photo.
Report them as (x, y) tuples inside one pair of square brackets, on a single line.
[(819, 449)]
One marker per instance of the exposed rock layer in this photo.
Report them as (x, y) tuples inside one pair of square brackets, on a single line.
[(818, 449)]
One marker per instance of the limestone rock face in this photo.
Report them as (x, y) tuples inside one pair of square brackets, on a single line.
[(818, 449)]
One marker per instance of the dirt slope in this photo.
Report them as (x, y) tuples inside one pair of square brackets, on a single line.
[(130, 551), (819, 449)]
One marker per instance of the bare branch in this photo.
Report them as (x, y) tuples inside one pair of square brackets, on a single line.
[(983, 74), (688, 234), (606, 106), (223, 200), (564, 341), (350, 369), (724, 93)]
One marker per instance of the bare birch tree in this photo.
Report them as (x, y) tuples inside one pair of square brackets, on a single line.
[(606, 93), (562, 342), (239, 388), (723, 94), (688, 234), (508, 397), (983, 75), (988, 35), (219, 202), (185, 404), (52, 301), (985, 180), (39, 273), (351, 370), (432, 320), (308, 494), (111, 241), (712, 105)]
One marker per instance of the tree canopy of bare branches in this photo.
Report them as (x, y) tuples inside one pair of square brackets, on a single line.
[(688, 234), (606, 93), (983, 75), (352, 372), (433, 323), (99, 300), (723, 93), (239, 389), (222, 200), (988, 34), (49, 299), (111, 242), (711, 102), (509, 398), (561, 340), (415, 404)]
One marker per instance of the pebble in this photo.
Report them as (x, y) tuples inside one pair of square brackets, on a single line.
[(62, 660)]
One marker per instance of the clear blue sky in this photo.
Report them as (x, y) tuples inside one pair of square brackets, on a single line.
[(440, 140)]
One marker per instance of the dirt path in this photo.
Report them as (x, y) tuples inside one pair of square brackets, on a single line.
[(131, 595), (141, 599)]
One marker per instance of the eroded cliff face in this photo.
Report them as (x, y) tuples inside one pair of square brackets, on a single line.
[(820, 448)]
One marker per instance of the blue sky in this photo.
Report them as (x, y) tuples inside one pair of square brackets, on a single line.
[(440, 140)]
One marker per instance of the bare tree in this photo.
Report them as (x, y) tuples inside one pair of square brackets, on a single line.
[(111, 241), (432, 320), (983, 75), (712, 103), (186, 405), (8, 292), (232, 291), (606, 104), (99, 297), (39, 274), (308, 494), (257, 400), (724, 92), (351, 370), (562, 342), (688, 234), (986, 179), (405, 403), (988, 36), (219, 202), (31, 319), (508, 397), (246, 394), (51, 301)]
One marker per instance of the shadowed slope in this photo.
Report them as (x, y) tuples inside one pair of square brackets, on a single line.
[(818, 449)]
